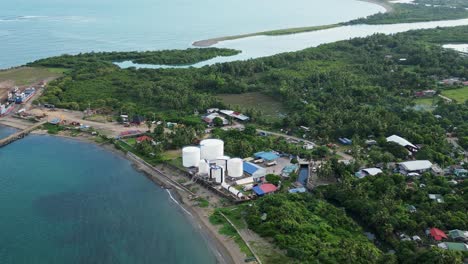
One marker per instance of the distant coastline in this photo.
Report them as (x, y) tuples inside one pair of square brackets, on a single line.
[(287, 31)]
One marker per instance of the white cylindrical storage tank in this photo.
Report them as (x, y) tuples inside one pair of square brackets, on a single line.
[(222, 161), (217, 174), (203, 167), (211, 149), (235, 167), (190, 157)]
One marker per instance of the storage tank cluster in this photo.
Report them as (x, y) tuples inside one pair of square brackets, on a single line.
[(211, 161), (211, 149)]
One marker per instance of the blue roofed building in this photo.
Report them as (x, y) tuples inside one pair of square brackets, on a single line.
[(266, 156), (258, 191), (257, 172)]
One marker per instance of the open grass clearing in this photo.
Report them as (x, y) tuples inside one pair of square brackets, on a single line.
[(29, 75), (270, 107), (460, 95)]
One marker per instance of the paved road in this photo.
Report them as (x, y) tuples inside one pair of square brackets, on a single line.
[(342, 154)]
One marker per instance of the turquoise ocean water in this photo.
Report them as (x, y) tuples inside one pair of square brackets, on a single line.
[(31, 29), (64, 201)]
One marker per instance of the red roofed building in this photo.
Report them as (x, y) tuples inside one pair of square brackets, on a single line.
[(437, 234), (268, 188), (143, 138)]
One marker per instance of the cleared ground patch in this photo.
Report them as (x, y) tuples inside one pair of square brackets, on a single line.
[(267, 105), (460, 95), (24, 76)]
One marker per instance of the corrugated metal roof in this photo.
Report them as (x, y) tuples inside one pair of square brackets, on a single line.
[(268, 156), (268, 188), (416, 165), (258, 191), (400, 141), (250, 168)]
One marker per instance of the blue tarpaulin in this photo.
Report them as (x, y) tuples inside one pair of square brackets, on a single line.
[(258, 191)]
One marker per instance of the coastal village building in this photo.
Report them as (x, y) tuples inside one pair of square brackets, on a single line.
[(437, 234), (256, 172), (453, 246), (460, 173), (425, 93), (413, 167), (366, 172), (236, 115), (403, 142), (436, 197), (458, 235), (263, 189), (209, 118)]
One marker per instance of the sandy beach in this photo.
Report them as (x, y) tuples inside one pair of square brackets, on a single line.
[(213, 41)]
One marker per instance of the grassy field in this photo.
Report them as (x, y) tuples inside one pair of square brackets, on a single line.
[(459, 95), (28, 75), (424, 101), (270, 108)]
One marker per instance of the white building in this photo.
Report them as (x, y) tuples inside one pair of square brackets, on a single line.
[(368, 171), (402, 142), (414, 166), (235, 115)]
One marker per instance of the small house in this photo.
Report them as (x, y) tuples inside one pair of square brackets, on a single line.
[(437, 234), (458, 235), (436, 197), (411, 208), (366, 172), (414, 166), (263, 189), (460, 173), (403, 142), (144, 138), (453, 246)]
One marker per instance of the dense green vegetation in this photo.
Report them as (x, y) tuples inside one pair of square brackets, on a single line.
[(355, 88), (381, 203), (310, 230), (407, 13), (446, 3), (246, 143), (167, 57)]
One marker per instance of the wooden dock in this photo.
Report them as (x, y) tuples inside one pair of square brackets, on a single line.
[(20, 134)]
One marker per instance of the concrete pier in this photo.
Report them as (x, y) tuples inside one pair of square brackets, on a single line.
[(20, 134)]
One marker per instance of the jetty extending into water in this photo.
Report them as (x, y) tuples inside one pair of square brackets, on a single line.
[(20, 134)]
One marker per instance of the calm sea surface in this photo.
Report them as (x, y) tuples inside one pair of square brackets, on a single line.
[(31, 29), (64, 201)]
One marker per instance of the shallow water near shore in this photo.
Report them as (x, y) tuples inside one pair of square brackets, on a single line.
[(263, 46), (66, 201)]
